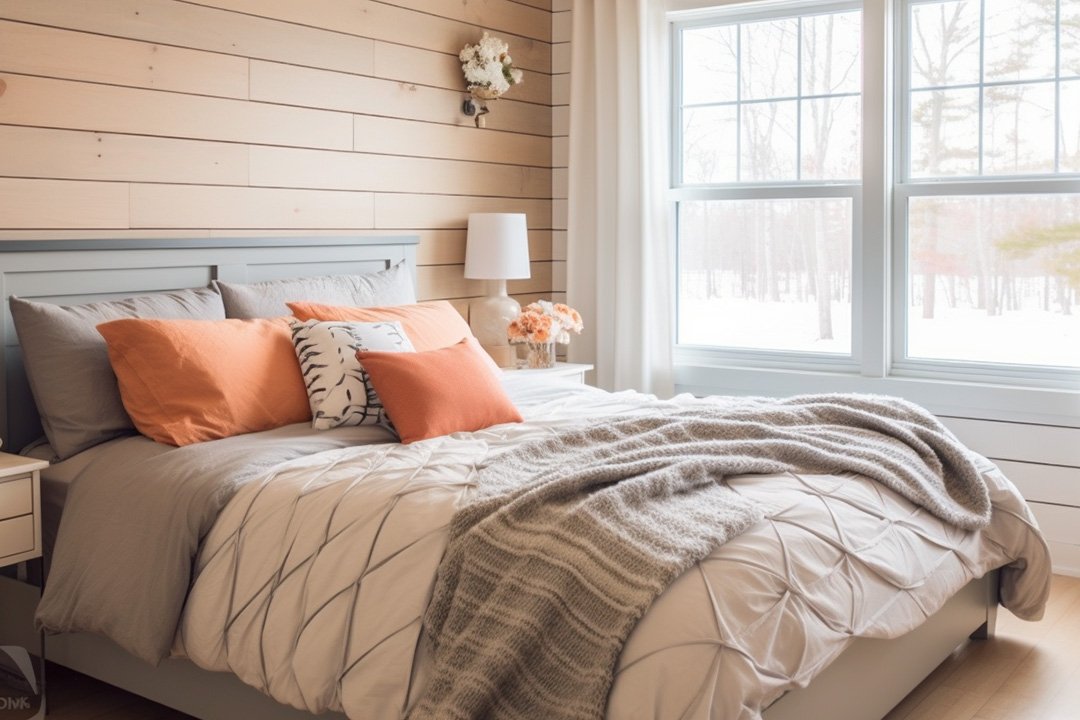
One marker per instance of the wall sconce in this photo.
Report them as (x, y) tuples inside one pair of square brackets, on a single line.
[(489, 72)]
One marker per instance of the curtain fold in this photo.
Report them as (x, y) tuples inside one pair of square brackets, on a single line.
[(619, 255)]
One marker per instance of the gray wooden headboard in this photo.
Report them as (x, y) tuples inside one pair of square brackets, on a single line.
[(77, 271)]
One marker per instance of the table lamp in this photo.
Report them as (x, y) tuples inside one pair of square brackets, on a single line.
[(497, 250)]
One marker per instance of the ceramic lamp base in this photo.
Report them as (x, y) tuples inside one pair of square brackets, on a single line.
[(504, 355), (489, 317)]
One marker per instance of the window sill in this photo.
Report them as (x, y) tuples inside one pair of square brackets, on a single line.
[(947, 397)]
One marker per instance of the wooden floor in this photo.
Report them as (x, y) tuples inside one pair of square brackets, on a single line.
[(73, 696), (1029, 671)]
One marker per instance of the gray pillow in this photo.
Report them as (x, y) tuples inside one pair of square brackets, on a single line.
[(392, 286), (68, 367)]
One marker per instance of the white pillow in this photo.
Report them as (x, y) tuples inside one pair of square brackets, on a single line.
[(338, 387)]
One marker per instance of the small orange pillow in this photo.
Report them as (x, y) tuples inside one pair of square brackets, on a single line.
[(186, 381), (438, 392), (429, 325)]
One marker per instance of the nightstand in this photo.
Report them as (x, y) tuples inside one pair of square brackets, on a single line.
[(20, 533), (20, 508), (574, 372)]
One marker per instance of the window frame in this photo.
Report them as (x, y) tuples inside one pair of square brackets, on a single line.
[(905, 187), (678, 191), (879, 271)]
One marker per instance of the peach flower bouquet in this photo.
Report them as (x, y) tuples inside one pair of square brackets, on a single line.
[(542, 324)]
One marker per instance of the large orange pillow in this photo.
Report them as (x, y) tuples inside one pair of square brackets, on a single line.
[(186, 381), (438, 392), (429, 325)]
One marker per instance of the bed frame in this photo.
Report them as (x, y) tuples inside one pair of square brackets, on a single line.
[(864, 683)]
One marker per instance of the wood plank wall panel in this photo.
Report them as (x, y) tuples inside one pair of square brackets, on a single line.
[(202, 118), (561, 21), (388, 22), (1043, 461)]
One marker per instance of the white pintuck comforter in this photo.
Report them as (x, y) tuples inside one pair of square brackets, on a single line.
[(312, 582)]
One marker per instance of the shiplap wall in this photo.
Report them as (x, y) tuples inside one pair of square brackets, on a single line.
[(151, 118), (560, 141), (1043, 461)]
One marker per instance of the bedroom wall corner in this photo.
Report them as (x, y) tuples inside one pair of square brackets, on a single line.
[(135, 121)]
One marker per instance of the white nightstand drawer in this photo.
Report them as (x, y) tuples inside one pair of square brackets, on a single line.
[(16, 497), (16, 536)]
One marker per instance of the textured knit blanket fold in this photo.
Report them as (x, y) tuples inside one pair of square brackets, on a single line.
[(567, 541)]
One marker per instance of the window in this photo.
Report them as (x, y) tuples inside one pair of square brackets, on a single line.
[(992, 120), (962, 261), (767, 179)]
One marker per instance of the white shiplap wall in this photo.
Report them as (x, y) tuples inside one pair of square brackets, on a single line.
[(1043, 461)]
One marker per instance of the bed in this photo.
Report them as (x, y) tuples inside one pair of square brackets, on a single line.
[(803, 662)]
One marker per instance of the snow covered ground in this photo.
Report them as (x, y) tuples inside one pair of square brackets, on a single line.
[(1030, 337)]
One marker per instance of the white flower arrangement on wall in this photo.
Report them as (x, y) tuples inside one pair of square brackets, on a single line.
[(489, 72)]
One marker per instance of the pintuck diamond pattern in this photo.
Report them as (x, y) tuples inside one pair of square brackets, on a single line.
[(313, 581)]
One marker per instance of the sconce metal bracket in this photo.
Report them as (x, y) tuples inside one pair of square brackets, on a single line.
[(476, 109)]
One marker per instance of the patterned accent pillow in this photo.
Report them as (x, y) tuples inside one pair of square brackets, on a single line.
[(338, 387)]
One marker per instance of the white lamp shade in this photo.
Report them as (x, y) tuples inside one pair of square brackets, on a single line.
[(497, 247)]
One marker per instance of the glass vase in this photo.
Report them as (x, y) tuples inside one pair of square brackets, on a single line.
[(541, 355)]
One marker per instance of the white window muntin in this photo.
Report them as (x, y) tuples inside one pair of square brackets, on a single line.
[(734, 15), (788, 189), (906, 187), (904, 87)]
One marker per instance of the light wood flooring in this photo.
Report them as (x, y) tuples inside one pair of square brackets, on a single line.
[(1029, 671)]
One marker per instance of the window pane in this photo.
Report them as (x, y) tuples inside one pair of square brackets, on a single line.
[(1070, 38), (770, 66), (1024, 127), (944, 133), (1019, 40), (830, 54), (1018, 129), (710, 147), (1070, 126), (710, 64), (766, 274), (995, 279), (944, 43), (831, 148), (768, 141)]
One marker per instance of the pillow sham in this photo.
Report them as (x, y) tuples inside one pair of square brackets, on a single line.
[(68, 366), (429, 325), (393, 286), (187, 381), (338, 388), (438, 392)]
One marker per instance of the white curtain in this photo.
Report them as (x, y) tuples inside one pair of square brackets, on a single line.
[(619, 263)]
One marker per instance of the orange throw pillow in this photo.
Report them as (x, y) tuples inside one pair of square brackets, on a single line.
[(438, 392), (429, 325), (186, 381)]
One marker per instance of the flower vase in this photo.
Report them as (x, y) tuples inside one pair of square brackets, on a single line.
[(541, 355)]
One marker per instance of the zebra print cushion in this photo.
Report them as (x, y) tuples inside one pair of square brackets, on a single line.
[(338, 387)]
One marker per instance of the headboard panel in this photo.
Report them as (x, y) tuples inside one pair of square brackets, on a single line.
[(78, 271)]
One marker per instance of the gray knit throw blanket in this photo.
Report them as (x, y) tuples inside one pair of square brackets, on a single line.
[(567, 541)]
